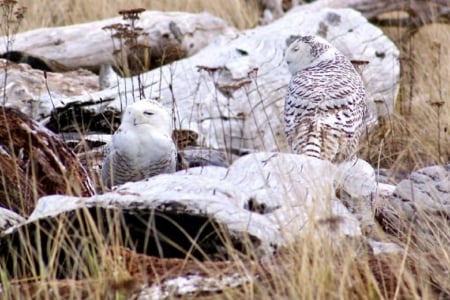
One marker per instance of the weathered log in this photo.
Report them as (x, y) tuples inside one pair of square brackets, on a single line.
[(35, 91), (35, 163), (8, 218), (419, 12), (232, 92), (261, 203), (166, 36), (264, 201)]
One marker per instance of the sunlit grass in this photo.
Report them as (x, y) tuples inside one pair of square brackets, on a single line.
[(239, 13)]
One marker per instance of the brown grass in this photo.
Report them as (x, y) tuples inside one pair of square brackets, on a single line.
[(240, 13), (417, 134)]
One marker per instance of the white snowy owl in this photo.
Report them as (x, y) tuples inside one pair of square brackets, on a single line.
[(142, 146), (325, 104)]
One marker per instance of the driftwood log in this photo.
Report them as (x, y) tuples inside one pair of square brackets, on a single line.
[(261, 203), (166, 36), (232, 91), (419, 12)]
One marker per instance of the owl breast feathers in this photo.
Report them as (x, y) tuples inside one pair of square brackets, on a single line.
[(142, 146), (325, 106)]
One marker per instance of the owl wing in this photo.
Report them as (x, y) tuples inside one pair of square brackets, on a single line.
[(322, 111), (117, 167), (106, 166), (302, 125)]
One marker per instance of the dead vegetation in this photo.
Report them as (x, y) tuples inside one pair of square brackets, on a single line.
[(417, 134)]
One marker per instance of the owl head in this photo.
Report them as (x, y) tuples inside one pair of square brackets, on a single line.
[(150, 113), (305, 51)]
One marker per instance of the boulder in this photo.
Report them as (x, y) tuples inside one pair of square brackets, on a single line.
[(422, 201)]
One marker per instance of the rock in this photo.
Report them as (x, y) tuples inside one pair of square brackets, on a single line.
[(422, 200), (427, 188), (357, 187)]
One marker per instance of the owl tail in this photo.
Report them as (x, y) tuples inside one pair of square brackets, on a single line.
[(322, 142)]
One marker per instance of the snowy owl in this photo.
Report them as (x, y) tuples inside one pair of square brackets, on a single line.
[(141, 147), (325, 104)]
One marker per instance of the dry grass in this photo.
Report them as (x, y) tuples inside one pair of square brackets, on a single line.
[(240, 13), (416, 135)]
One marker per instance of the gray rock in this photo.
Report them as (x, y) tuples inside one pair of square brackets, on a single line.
[(423, 201), (357, 188), (428, 187)]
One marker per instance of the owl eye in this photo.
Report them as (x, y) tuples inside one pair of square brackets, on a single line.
[(295, 49), (149, 113)]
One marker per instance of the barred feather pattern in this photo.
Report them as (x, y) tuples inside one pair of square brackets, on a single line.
[(325, 106), (123, 169), (142, 146)]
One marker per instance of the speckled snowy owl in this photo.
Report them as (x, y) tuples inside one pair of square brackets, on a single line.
[(325, 104), (142, 146)]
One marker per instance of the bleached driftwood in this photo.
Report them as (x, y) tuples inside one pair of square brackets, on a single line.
[(9, 218), (419, 11), (262, 202), (32, 91), (195, 209), (89, 45), (232, 91)]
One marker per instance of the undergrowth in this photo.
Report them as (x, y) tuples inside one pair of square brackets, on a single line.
[(417, 133)]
